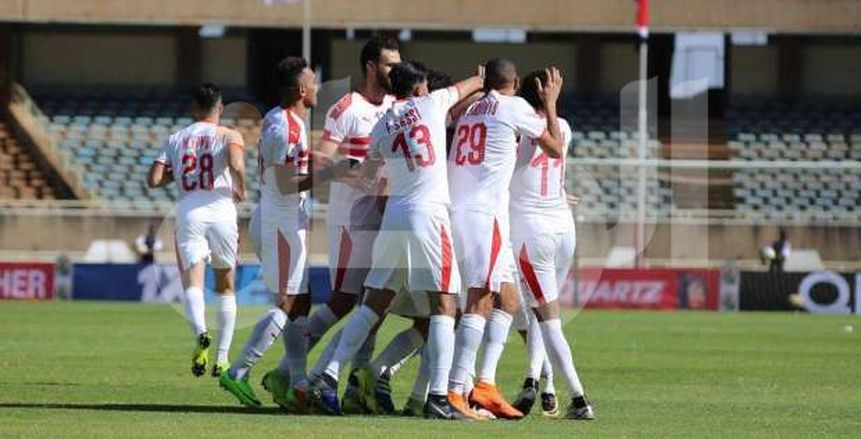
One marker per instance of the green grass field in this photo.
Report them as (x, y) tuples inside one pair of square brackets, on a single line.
[(121, 370)]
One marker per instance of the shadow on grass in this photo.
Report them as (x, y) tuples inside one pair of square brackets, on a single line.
[(161, 408)]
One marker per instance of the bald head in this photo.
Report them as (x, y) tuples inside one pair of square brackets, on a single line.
[(499, 74)]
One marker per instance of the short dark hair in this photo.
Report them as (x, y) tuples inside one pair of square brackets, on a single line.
[(529, 89), (498, 73), (374, 48), (405, 76), (438, 80), (287, 74), (205, 97)]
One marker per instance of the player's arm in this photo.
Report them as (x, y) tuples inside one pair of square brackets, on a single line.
[(236, 164), (288, 182), (551, 140), (461, 107), (159, 175), (470, 86)]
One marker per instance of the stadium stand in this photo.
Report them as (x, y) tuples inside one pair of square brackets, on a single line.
[(598, 134), (821, 131), (110, 135), (20, 177)]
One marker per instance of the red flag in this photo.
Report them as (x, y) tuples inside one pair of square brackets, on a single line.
[(643, 18)]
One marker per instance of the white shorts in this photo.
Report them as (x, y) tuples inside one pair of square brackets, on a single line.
[(484, 250), (254, 232), (285, 253), (414, 252), (349, 256), (207, 235), (543, 260)]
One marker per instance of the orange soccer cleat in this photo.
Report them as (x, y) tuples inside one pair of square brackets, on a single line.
[(460, 408), (487, 396)]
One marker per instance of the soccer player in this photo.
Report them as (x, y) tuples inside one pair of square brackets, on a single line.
[(209, 168), (544, 239), (353, 217), (413, 250), (538, 366), (285, 181), (480, 168)]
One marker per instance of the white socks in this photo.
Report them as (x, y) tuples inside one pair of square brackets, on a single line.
[(495, 336), (366, 351), (440, 352), (320, 321), (400, 349), (534, 350), (468, 338), (325, 356), (560, 355), (294, 362), (265, 332), (226, 319), (195, 309), (420, 385), (353, 336)]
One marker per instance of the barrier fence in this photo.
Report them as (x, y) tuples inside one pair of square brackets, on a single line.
[(589, 288)]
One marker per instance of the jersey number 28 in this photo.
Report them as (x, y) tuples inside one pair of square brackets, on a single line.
[(191, 165)]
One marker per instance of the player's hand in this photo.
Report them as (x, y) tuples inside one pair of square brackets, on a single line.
[(321, 160), (549, 91), (572, 200), (238, 194), (479, 71)]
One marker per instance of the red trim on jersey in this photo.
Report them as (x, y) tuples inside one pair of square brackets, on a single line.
[(283, 263), (530, 277), (356, 153), (343, 258), (294, 133), (495, 244), (176, 250), (342, 105), (445, 275), (366, 140)]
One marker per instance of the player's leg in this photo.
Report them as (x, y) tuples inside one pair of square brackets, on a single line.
[(486, 394), (440, 354), (225, 317), (478, 256), (283, 272), (400, 349), (191, 253), (419, 393), (357, 329), (223, 238), (545, 295)]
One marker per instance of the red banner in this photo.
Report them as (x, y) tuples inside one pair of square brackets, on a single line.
[(616, 288), (26, 281)]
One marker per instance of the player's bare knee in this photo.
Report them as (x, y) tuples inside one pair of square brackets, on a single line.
[(421, 325), (224, 281), (507, 300), (479, 301), (301, 306)]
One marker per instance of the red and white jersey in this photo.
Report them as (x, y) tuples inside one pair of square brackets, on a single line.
[(283, 142), (411, 139), (198, 155), (485, 149), (538, 185), (349, 123)]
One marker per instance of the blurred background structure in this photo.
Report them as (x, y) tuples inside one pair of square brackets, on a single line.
[(755, 119)]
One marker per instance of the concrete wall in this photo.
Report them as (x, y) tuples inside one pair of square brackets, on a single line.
[(98, 58), (831, 69), (225, 61), (754, 70), (791, 16), (681, 243)]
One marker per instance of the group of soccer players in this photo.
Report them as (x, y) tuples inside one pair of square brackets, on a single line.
[(447, 206)]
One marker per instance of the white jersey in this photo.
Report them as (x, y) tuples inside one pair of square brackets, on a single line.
[(349, 123), (538, 185), (283, 142), (198, 155), (484, 151), (411, 139)]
